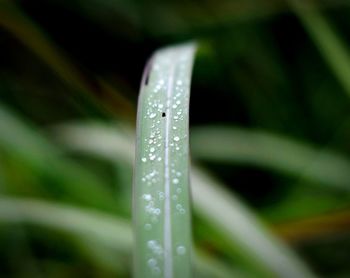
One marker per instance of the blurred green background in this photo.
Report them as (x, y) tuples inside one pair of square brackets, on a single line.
[(269, 120)]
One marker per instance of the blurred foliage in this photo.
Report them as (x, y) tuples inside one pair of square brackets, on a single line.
[(270, 118)]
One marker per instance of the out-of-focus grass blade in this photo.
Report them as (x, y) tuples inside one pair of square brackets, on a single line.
[(227, 144), (326, 39), (315, 227), (208, 267), (110, 231), (16, 22), (236, 222), (117, 141), (101, 231), (261, 251), (161, 203), (33, 151)]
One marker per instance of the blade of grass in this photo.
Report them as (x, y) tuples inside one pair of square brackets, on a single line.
[(33, 153), (161, 208), (24, 29), (110, 231), (326, 39), (236, 145), (236, 222), (241, 231), (223, 144), (207, 267), (315, 227), (95, 228)]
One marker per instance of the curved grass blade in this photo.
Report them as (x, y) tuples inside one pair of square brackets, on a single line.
[(249, 237), (14, 20), (161, 179), (108, 230), (33, 153), (240, 226), (237, 145), (330, 45), (100, 231)]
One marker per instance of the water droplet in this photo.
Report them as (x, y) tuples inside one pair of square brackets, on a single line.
[(157, 211), (144, 159), (159, 159), (153, 262), (151, 244), (152, 157), (176, 138), (175, 181), (152, 150), (178, 82), (181, 250), (147, 197), (174, 127), (152, 115)]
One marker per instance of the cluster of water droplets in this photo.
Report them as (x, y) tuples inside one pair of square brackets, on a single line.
[(161, 109), (156, 251)]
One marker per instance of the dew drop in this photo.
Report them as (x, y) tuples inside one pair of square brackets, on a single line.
[(147, 197), (181, 250), (175, 181), (144, 159), (152, 150), (176, 138), (152, 157), (152, 115), (151, 244), (157, 211), (153, 262)]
